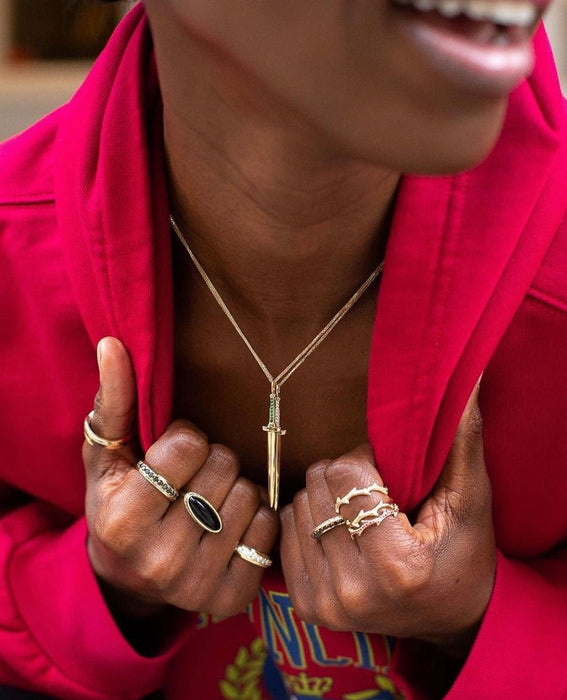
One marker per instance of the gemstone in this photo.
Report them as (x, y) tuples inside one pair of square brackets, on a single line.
[(202, 512)]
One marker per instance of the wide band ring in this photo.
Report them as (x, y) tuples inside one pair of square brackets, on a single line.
[(157, 481), (93, 439), (202, 512), (253, 556), (327, 525)]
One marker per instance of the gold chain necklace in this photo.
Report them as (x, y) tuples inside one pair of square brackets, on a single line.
[(274, 429)]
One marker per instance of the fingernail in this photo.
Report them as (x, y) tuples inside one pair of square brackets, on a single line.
[(99, 351)]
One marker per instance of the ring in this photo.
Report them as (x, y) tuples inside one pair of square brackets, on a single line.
[(158, 481), (373, 488), (376, 515), (202, 512), (253, 556), (327, 525), (93, 439)]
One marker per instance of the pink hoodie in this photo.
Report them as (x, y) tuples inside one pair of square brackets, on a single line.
[(474, 279)]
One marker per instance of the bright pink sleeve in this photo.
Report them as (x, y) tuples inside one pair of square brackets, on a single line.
[(521, 648), (522, 644), (56, 634)]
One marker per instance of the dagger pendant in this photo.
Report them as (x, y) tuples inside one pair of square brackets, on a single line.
[(275, 433)]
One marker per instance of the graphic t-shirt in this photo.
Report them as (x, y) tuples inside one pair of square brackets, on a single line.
[(268, 653)]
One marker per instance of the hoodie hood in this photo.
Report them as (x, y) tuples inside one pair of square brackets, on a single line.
[(461, 255)]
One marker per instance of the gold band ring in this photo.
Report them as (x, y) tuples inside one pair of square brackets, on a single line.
[(327, 525), (253, 556), (157, 481), (93, 439)]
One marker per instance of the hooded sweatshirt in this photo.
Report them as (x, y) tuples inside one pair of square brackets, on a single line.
[(474, 280)]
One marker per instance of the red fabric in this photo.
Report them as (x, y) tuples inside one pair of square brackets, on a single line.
[(474, 279)]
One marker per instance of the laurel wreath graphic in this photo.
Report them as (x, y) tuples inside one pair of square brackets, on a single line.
[(242, 679)]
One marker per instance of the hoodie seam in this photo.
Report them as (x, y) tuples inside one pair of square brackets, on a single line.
[(29, 200), (547, 298)]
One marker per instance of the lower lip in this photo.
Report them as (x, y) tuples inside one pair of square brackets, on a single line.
[(461, 58)]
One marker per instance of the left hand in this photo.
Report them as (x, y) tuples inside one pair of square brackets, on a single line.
[(430, 581)]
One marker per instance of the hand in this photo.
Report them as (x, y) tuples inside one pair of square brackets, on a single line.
[(145, 546), (431, 580)]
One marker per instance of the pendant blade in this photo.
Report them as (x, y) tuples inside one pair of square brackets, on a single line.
[(274, 457)]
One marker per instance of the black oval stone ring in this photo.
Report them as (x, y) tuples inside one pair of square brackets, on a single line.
[(202, 512)]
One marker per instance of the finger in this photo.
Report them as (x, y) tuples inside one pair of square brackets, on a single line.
[(115, 402), (176, 456), (242, 579), (295, 570), (336, 545), (357, 470), (260, 534), (237, 510), (320, 592)]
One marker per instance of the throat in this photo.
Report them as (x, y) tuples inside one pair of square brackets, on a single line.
[(221, 389)]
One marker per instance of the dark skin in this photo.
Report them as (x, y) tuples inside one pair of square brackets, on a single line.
[(284, 156)]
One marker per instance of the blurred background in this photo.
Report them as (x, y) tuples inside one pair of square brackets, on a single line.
[(47, 47)]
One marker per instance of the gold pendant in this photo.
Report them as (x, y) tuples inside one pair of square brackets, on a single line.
[(275, 433)]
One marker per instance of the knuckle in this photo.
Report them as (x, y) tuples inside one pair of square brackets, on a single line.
[(407, 577), (355, 468), (353, 596), (111, 528), (224, 460), (266, 521), (327, 609), (316, 471), (184, 440), (304, 610), (158, 570), (246, 493)]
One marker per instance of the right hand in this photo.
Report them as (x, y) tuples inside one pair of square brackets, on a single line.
[(149, 549)]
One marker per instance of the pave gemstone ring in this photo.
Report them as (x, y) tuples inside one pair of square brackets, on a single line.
[(202, 512), (158, 481), (253, 556)]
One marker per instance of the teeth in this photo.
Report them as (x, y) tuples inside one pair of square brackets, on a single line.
[(520, 13), (450, 8)]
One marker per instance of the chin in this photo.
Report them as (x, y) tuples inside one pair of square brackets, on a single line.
[(432, 144)]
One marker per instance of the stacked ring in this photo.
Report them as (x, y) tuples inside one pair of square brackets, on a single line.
[(253, 556), (327, 525), (157, 481), (93, 439)]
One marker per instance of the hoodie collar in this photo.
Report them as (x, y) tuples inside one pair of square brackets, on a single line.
[(461, 254)]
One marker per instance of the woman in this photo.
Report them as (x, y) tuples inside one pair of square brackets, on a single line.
[(283, 139)]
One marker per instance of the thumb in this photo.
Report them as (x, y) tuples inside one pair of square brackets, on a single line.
[(464, 482), (115, 403)]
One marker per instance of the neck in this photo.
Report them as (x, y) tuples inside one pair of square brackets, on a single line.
[(263, 198)]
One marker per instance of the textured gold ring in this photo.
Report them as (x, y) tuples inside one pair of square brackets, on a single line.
[(327, 525), (93, 439)]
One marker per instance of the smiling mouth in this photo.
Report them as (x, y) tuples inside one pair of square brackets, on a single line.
[(499, 22), (480, 46)]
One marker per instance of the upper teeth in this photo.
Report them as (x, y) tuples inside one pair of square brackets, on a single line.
[(505, 12)]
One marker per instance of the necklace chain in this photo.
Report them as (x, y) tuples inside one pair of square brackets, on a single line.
[(286, 373), (273, 428)]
